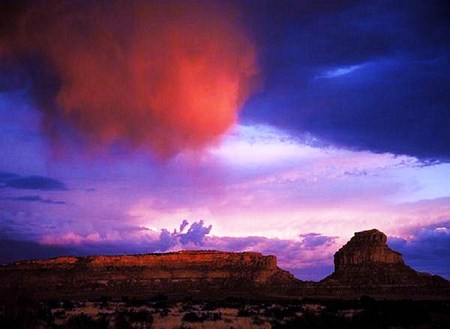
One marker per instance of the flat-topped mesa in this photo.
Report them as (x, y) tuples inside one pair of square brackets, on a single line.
[(183, 273), (192, 265), (366, 247), (172, 260)]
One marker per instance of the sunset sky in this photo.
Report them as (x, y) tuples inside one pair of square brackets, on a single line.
[(281, 127)]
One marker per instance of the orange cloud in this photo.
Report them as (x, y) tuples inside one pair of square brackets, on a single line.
[(165, 75)]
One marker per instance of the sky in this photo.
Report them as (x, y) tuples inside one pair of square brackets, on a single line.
[(280, 127)]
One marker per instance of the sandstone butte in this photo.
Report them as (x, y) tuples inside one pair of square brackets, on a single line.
[(364, 266)]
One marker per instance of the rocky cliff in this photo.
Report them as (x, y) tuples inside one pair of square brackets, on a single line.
[(367, 247), (366, 265), (181, 273)]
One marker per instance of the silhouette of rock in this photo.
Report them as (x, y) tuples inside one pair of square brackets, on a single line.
[(367, 247), (366, 265)]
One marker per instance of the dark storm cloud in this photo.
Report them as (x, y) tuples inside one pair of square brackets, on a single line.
[(6, 176), (368, 75), (33, 198), (15, 250), (428, 250), (34, 183)]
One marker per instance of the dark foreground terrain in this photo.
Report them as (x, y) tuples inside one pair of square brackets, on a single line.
[(160, 312)]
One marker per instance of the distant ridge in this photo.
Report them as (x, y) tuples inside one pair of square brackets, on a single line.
[(364, 266)]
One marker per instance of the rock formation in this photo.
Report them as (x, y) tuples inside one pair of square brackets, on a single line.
[(366, 265), (367, 247), (184, 273)]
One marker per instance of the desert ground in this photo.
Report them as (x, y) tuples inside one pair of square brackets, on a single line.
[(230, 313)]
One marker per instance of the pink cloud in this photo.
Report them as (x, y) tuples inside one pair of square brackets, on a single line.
[(71, 238), (311, 250)]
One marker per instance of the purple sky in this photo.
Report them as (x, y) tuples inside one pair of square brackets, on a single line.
[(284, 128)]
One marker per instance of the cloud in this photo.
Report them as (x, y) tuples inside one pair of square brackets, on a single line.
[(309, 258), (6, 176), (165, 240), (195, 234), (162, 76), (339, 71), (314, 188), (15, 250), (314, 240), (194, 237), (426, 248), (33, 198), (183, 225), (311, 251), (34, 183), (71, 239), (383, 68)]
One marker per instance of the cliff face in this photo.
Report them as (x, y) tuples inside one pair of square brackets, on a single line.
[(170, 262), (366, 265), (179, 273), (367, 247)]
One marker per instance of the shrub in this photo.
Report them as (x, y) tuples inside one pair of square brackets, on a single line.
[(83, 321), (192, 317)]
